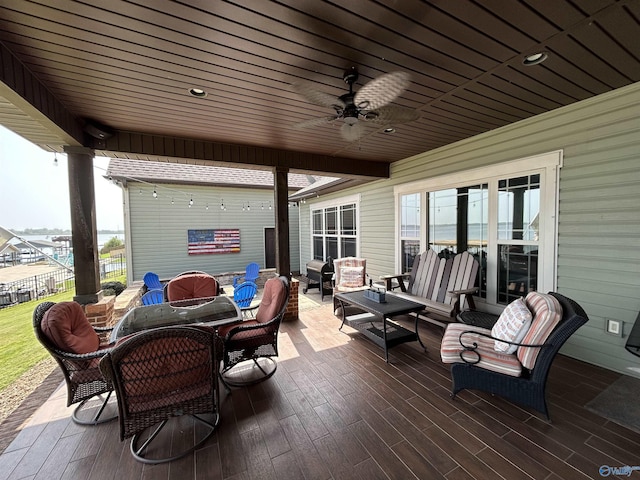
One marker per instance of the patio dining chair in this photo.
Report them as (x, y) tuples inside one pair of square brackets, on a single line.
[(64, 331), (190, 285), (249, 347), (159, 374)]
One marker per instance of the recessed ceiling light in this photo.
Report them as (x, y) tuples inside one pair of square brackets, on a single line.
[(534, 59), (197, 92), (389, 130)]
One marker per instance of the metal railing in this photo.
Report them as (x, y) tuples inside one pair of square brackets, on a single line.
[(39, 286)]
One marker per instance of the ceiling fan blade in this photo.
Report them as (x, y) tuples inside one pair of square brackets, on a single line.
[(381, 90), (352, 132), (392, 114), (314, 122), (317, 97)]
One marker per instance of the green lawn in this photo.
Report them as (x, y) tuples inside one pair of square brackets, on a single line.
[(20, 350)]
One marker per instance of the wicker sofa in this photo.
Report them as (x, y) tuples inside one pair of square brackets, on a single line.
[(520, 376)]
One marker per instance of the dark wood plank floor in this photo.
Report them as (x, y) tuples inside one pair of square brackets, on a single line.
[(336, 410)]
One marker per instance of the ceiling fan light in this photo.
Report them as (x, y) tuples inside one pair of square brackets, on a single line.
[(350, 120)]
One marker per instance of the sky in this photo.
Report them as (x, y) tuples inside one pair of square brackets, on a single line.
[(34, 193)]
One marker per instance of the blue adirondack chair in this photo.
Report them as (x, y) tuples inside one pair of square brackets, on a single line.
[(152, 281), (153, 296), (251, 275)]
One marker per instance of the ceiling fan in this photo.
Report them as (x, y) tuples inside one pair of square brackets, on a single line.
[(368, 105)]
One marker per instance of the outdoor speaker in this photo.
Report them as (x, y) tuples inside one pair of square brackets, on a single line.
[(96, 130)]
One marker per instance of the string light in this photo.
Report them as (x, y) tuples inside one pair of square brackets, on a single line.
[(246, 206)]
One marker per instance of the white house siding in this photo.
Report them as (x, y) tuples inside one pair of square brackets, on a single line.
[(599, 215), (158, 229)]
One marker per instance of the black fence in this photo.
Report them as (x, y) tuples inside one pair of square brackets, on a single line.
[(39, 286)]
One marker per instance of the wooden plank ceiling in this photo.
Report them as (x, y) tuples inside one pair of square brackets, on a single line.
[(129, 65)]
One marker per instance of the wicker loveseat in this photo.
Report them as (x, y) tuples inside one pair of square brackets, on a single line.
[(520, 376)]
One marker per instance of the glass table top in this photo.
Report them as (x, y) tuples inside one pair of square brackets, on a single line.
[(211, 311)]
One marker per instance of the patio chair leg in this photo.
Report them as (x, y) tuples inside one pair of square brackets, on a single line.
[(258, 365), (137, 452), (96, 420)]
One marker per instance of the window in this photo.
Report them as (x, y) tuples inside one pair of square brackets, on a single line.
[(504, 215), (458, 222), (334, 230)]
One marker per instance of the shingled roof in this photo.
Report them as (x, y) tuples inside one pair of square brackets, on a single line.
[(176, 173)]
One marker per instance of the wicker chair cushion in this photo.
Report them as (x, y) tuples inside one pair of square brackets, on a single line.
[(273, 297), (547, 312), (512, 325), (67, 327), (351, 277), (193, 285), (450, 350), (224, 329)]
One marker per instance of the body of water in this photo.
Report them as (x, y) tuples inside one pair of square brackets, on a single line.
[(102, 237)]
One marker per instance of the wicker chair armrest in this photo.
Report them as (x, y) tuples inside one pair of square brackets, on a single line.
[(250, 309), (247, 328), (473, 348), (83, 356)]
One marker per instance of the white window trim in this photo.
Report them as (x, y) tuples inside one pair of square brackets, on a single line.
[(548, 165), (336, 202)]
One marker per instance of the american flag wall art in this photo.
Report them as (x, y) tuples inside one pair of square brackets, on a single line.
[(202, 242)]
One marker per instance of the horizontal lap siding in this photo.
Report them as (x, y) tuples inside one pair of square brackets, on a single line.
[(159, 229), (599, 219)]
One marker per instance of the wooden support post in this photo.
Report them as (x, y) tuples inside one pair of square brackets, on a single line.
[(281, 194), (86, 265)]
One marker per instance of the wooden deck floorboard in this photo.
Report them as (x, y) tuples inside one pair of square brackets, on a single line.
[(335, 410)]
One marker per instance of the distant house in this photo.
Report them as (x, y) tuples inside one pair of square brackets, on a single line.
[(227, 213)]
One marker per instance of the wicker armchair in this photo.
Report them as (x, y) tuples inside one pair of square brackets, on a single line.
[(255, 340), (159, 374), (190, 285), (64, 331), (350, 276), (521, 376)]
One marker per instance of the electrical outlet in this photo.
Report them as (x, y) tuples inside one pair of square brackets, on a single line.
[(614, 327)]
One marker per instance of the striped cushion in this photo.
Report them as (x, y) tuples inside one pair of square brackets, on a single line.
[(490, 359), (547, 312)]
